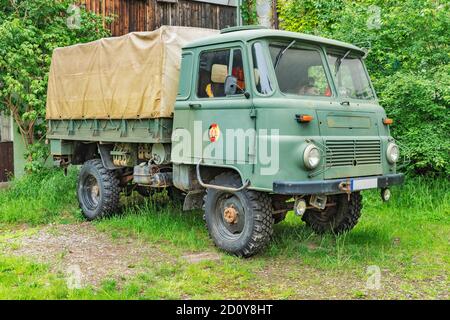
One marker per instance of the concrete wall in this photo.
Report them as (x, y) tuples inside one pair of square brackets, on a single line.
[(19, 151)]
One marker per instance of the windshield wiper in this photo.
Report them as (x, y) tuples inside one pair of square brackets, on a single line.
[(280, 54), (338, 62)]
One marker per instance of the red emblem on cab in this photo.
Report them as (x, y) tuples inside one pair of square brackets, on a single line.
[(214, 132)]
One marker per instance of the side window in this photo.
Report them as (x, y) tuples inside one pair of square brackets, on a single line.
[(212, 73), (260, 69), (184, 87), (300, 71)]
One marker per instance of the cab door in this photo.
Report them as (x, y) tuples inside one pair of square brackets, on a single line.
[(221, 127)]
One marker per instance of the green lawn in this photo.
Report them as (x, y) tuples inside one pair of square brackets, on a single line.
[(407, 239)]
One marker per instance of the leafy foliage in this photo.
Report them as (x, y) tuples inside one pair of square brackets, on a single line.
[(408, 61), (29, 31), (248, 12)]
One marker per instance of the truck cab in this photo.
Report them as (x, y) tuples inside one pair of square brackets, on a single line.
[(293, 116)]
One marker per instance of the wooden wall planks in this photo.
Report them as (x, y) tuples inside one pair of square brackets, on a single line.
[(147, 15)]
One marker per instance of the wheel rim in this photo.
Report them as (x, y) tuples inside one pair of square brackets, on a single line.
[(230, 216), (90, 192)]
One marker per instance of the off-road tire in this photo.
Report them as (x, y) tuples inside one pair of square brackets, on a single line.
[(257, 211), (341, 219), (107, 201)]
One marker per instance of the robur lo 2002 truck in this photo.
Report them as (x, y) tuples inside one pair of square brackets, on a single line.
[(247, 123)]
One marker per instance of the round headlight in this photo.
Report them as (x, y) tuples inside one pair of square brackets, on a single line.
[(392, 153), (311, 156)]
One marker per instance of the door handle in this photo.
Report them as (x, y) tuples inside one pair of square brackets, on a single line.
[(345, 103), (195, 105)]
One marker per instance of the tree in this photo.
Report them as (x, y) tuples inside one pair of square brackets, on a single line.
[(29, 31)]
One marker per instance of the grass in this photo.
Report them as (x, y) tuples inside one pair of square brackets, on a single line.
[(407, 238), (23, 279), (160, 223), (40, 198), (415, 223)]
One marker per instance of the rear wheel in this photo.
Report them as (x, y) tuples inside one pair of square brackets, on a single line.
[(279, 217), (144, 191), (240, 222), (98, 190), (340, 216)]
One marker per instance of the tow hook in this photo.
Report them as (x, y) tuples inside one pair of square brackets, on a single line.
[(345, 186)]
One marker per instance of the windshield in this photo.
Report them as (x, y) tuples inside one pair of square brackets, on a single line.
[(299, 70), (350, 76)]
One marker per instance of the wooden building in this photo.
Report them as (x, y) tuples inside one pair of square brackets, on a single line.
[(148, 15), (6, 148)]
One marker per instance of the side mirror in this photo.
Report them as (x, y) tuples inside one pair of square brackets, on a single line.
[(230, 85)]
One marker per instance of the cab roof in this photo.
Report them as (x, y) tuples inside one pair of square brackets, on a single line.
[(249, 33)]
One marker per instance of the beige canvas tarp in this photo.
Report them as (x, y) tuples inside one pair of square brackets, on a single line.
[(128, 77)]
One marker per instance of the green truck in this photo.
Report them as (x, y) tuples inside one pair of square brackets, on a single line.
[(263, 122)]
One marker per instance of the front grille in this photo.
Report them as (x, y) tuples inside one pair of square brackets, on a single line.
[(340, 153)]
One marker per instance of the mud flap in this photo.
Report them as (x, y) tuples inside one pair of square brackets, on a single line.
[(193, 200), (105, 154)]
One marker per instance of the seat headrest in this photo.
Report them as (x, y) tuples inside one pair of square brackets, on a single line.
[(218, 73)]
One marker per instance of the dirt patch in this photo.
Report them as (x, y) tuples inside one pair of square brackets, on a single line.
[(80, 249), (199, 257)]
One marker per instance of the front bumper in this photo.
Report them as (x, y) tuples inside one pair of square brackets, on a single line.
[(333, 186)]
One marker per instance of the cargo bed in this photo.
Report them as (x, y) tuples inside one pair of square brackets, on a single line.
[(158, 130)]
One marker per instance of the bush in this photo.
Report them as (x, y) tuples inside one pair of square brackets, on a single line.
[(40, 197), (420, 106)]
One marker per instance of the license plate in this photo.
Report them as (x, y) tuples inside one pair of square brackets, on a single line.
[(361, 184)]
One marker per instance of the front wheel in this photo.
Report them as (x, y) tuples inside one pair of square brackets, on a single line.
[(239, 223), (98, 190), (341, 214)]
